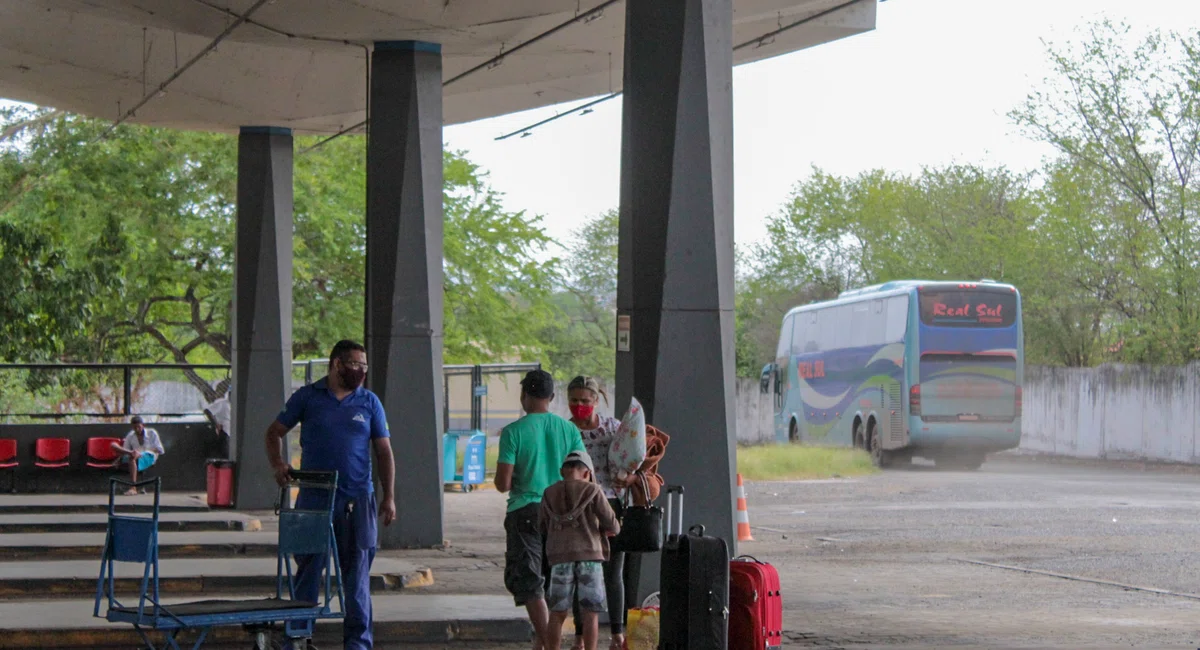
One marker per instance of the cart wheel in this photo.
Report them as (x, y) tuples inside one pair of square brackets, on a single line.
[(264, 640)]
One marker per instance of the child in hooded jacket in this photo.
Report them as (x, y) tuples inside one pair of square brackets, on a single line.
[(577, 522)]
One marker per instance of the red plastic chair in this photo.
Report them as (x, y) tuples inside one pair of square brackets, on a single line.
[(52, 453), (8, 461), (100, 453)]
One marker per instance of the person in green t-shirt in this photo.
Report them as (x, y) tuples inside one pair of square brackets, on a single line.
[(532, 451)]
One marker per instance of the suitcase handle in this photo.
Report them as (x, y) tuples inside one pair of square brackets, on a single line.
[(674, 491), (748, 558)]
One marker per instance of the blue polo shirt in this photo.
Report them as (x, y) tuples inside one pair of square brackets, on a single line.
[(336, 434)]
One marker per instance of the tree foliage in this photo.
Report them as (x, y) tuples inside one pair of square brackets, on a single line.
[(1125, 115), (129, 239), (581, 339)]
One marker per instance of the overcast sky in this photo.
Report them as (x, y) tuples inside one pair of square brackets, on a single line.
[(931, 85)]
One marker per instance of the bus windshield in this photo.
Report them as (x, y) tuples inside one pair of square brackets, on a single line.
[(968, 307)]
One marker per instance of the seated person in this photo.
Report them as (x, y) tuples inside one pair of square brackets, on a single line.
[(141, 449), (218, 413)]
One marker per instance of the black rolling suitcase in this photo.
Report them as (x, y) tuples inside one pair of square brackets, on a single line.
[(694, 585)]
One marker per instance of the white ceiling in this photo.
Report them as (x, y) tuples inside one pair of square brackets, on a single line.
[(101, 57)]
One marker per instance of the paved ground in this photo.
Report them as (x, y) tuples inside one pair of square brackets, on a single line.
[(891, 560), (1019, 554)]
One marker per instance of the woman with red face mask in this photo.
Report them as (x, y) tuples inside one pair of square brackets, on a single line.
[(583, 398)]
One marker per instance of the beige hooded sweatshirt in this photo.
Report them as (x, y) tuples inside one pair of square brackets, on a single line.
[(576, 518)]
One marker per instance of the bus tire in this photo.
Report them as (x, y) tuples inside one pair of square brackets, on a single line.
[(794, 433), (857, 440), (879, 458)]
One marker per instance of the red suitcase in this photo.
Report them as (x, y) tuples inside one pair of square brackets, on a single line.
[(755, 605)]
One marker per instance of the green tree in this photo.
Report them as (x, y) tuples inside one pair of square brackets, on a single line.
[(39, 297), (149, 211), (149, 215), (1129, 114), (581, 338)]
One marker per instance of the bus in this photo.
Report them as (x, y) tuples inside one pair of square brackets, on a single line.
[(902, 369)]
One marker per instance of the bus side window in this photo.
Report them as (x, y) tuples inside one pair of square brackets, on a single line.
[(783, 350), (799, 333), (815, 341), (897, 319), (838, 328)]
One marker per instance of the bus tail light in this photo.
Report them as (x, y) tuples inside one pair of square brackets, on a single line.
[(914, 400), (1019, 402)]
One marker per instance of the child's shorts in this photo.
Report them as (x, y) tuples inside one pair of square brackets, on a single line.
[(583, 578)]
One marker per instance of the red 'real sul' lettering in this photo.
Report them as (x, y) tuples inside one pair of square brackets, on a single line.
[(987, 314)]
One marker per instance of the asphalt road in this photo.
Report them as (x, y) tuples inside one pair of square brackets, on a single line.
[(1018, 554), (924, 558)]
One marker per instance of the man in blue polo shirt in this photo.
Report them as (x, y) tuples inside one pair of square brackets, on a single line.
[(343, 424)]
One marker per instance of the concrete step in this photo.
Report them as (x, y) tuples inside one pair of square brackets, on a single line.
[(95, 522), (399, 618), (25, 504), (74, 546), (180, 577)]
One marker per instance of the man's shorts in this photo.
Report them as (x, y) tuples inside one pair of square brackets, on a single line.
[(144, 462), (525, 570), (584, 578)]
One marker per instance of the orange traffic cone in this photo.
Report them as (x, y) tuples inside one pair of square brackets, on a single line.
[(743, 514)]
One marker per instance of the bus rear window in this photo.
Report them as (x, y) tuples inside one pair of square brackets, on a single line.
[(968, 308)]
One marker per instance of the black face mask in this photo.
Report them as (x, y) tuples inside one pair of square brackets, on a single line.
[(352, 378)]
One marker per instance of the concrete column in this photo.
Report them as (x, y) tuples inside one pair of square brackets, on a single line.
[(404, 277), (262, 305), (675, 278)]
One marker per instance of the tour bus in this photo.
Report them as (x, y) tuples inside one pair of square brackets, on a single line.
[(932, 369)]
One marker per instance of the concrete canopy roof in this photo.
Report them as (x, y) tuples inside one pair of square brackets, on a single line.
[(302, 63)]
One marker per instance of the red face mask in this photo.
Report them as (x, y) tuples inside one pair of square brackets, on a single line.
[(582, 412)]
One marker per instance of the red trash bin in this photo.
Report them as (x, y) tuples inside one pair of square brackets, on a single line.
[(220, 483)]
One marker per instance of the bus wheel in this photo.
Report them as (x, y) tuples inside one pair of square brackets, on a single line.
[(857, 437), (793, 433), (879, 458)]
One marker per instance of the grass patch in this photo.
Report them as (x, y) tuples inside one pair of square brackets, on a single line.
[(490, 459), (794, 462), (777, 462)]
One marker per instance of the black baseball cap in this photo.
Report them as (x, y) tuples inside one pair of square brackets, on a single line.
[(538, 384)]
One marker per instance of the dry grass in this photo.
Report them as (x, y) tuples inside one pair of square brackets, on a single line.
[(779, 462), (794, 462)]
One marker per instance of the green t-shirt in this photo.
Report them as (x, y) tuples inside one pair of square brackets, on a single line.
[(536, 446)]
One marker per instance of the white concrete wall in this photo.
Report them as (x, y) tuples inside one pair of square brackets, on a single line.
[(755, 413), (1114, 412)]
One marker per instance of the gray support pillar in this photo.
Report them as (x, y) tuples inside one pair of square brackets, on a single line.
[(404, 277), (262, 304), (675, 278)]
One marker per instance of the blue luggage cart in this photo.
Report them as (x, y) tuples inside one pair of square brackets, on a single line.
[(301, 532)]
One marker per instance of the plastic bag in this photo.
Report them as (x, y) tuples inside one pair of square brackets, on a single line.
[(628, 449), (641, 631)]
